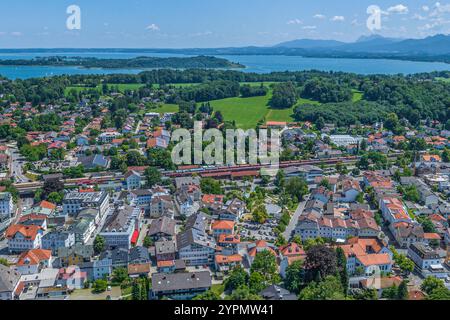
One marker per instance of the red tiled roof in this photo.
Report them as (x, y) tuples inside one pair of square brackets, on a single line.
[(33, 257)]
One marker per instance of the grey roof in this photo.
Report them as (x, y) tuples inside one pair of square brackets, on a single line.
[(162, 225), (8, 279), (139, 255), (163, 247), (180, 281), (194, 236), (86, 251)]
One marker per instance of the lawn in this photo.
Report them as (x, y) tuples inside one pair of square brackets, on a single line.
[(218, 288), (443, 79), (248, 111), (166, 107), (357, 95)]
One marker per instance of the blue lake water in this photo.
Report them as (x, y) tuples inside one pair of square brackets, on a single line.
[(256, 63)]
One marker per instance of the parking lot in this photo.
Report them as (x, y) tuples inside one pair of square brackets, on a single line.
[(257, 231)]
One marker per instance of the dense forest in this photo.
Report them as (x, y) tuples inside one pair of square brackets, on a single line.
[(136, 63)]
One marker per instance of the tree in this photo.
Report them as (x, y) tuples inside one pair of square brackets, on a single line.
[(148, 242), (56, 197), (208, 295), (260, 214), (402, 293), (237, 278), (153, 176), (4, 262), (295, 276), (119, 275), (281, 240), (100, 286), (52, 185), (342, 268), (256, 282), (320, 262), (328, 289), (136, 290), (210, 186), (99, 244), (265, 263), (243, 293), (390, 293), (284, 96), (430, 284), (439, 294), (297, 188)]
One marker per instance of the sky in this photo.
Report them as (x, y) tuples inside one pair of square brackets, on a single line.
[(210, 23)]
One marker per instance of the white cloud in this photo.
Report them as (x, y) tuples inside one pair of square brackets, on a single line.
[(319, 16), (309, 27), (338, 18), (201, 34), (152, 27), (400, 9), (426, 8), (418, 17), (295, 21)]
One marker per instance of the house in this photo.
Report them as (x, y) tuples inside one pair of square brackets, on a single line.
[(138, 262), (180, 286), (367, 256), (253, 248), (307, 172), (9, 283), (161, 205), (380, 284), (58, 239), (94, 161), (76, 255), (232, 210), (119, 257), (83, 229), (408, 233), (188, 200), (121, 226), (427, 260), (32, 261), (288, 254), (212, 201), (195, 247), (34, 220), (133, 180), (275, 292), (71, 277), (222, 227), (74, 202), (6, 206), (348, 191), (142, 198), (22, 237), (225, 263), (162, 229), (165, 250)]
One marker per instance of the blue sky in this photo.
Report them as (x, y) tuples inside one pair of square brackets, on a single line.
[(210, 23)]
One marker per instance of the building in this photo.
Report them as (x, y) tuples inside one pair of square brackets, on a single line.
[(162, 229), (32, 261), (22, 238), (74, 202), (58, 239), (83, 229), (76, 255), (344, 140), (366, 256), (180, 286), (133, 180), (6, 206), (120, 227), (275, 292), (9, 282), (222, 227), (423, 256), (196, 248)]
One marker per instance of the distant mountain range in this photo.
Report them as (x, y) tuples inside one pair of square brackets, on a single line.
[(434, 45)]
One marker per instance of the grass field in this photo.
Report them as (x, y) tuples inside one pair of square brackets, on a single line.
[(122, 87), (357, 95), (443, 79)]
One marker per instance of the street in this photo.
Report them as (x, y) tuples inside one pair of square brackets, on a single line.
[(301, 206)]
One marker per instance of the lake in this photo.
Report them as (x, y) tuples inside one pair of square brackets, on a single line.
[(253, 63)]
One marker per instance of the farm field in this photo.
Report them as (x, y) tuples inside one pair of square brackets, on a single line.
[(122, 87)]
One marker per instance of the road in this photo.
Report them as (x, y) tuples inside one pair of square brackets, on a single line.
[(301, 206), (16, 167)]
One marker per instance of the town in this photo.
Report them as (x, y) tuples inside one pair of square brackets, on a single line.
[(93, 208)]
